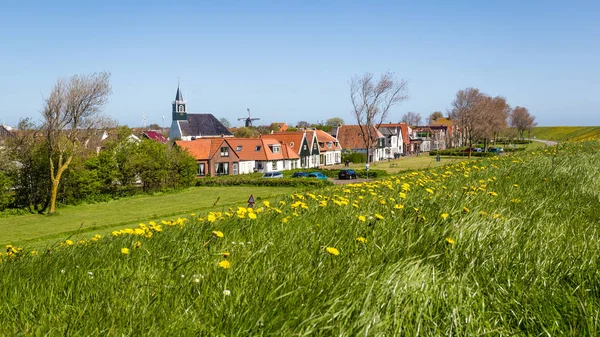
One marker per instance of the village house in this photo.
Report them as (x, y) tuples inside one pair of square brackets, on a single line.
[(215, 156), (303, 143), (395, 140), (452, 134), (264, 155), (351, 139), (329, 148)]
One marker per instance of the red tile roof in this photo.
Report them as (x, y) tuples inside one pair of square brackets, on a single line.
[(324, 138), (350, 136), (155, 135)]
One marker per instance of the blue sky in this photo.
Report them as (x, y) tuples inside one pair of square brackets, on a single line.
[(291, 60)]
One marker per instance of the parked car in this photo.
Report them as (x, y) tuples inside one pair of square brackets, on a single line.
[(347, 174), (318, 175), (496, 150), (478, 149), (299, 175), (274, 174), (473, 149)]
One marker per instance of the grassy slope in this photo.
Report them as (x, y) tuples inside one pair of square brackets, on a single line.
[(524, 262), (563, 133), (104, 217)]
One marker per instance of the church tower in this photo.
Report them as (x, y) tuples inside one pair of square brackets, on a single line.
[(179, 107)]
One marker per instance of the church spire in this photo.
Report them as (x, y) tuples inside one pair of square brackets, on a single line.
[(178, 96)]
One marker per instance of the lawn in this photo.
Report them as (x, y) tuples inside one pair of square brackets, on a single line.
[(499, 246), (36, 230)]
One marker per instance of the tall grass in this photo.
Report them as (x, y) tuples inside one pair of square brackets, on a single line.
[(501, 246)]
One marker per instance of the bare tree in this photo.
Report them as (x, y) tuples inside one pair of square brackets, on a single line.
[(70, 111), (521, 120), (226, 123), (411, 118), (465, 110), (371, 102), (303, 125)]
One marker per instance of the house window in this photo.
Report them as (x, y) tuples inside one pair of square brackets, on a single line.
[(274, 164), (224, 152), (235, 168), (201, 169), (221, 169), (276, 149), (181, 108), (329, 145), (305, 147), (239, 148), (258, 148)]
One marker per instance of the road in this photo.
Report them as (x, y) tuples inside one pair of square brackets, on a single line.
[(546, 142)]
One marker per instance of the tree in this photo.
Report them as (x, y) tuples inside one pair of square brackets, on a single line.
[(521, 120), (334, 121), (372, 100), (465, 109), (71, 109), (411, 118), (302, 125), (243, 132), (225, 122), (434, 116)]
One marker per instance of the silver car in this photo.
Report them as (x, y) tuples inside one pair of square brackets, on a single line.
[(274, 174)]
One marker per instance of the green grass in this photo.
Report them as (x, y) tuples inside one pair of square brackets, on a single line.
[(564, 133), (38, 230), (502, 246)]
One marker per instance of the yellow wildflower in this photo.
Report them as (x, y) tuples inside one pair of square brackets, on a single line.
[(361, 239), (252, 215), (218, 234), (445, 216), (137, 244), (362, 218), (69, 243), (211, 218), (225, 264), (125, 251), (225, 254), (466, 210), (379, 216), (399, 206), (429, 190), (333, 251), (450, 241)]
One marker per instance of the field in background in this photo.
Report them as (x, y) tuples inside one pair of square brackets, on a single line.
[(564, 133), (36, 230), (499, 246)]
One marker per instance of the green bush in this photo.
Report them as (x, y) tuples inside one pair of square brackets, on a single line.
[(354, 157)]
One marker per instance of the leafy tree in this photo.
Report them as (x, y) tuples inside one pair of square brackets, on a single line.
[(435, 115), (226, 123), (334, 122), (244, 132)]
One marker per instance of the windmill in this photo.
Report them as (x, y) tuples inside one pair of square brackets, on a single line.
[(249, 119)]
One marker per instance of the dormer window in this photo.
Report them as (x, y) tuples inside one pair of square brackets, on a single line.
[(276, 149), (258, 148), (239, 148), (329, 145)]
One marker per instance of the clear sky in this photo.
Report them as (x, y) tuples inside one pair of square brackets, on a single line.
[(291, 60)]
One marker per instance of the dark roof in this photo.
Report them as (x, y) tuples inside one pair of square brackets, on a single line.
[(5, 132), (202, 125), (178, 96)]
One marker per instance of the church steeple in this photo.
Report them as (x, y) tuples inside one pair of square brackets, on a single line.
[(179, 106)]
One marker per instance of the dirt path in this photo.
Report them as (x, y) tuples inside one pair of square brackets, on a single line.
[(546, 142)]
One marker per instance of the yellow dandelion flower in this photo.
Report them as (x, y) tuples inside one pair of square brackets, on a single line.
[(69, 242), (225, 254), (382, 201), (267, 203), (429, 190), (125, 251), (466, 210), (225, 264), (379, 216), (450, 241), (252, 215), (402, 195), (399, 206), (333, 251), (362, 218), (361, 239), (137, 244), (284, 220), (211, 218), (445, 216), (34, 253), (218, 234)]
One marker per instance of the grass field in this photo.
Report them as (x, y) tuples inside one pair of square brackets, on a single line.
[(38, 230), (563, 133), (501, 246)]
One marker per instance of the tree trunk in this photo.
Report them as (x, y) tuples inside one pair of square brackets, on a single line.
[(56, 179)]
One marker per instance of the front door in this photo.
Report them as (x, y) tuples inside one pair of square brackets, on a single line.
[(235, 168)]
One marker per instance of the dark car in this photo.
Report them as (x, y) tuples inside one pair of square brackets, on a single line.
[(274, 174), (299, 175), (347, 174), (318, 175)]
